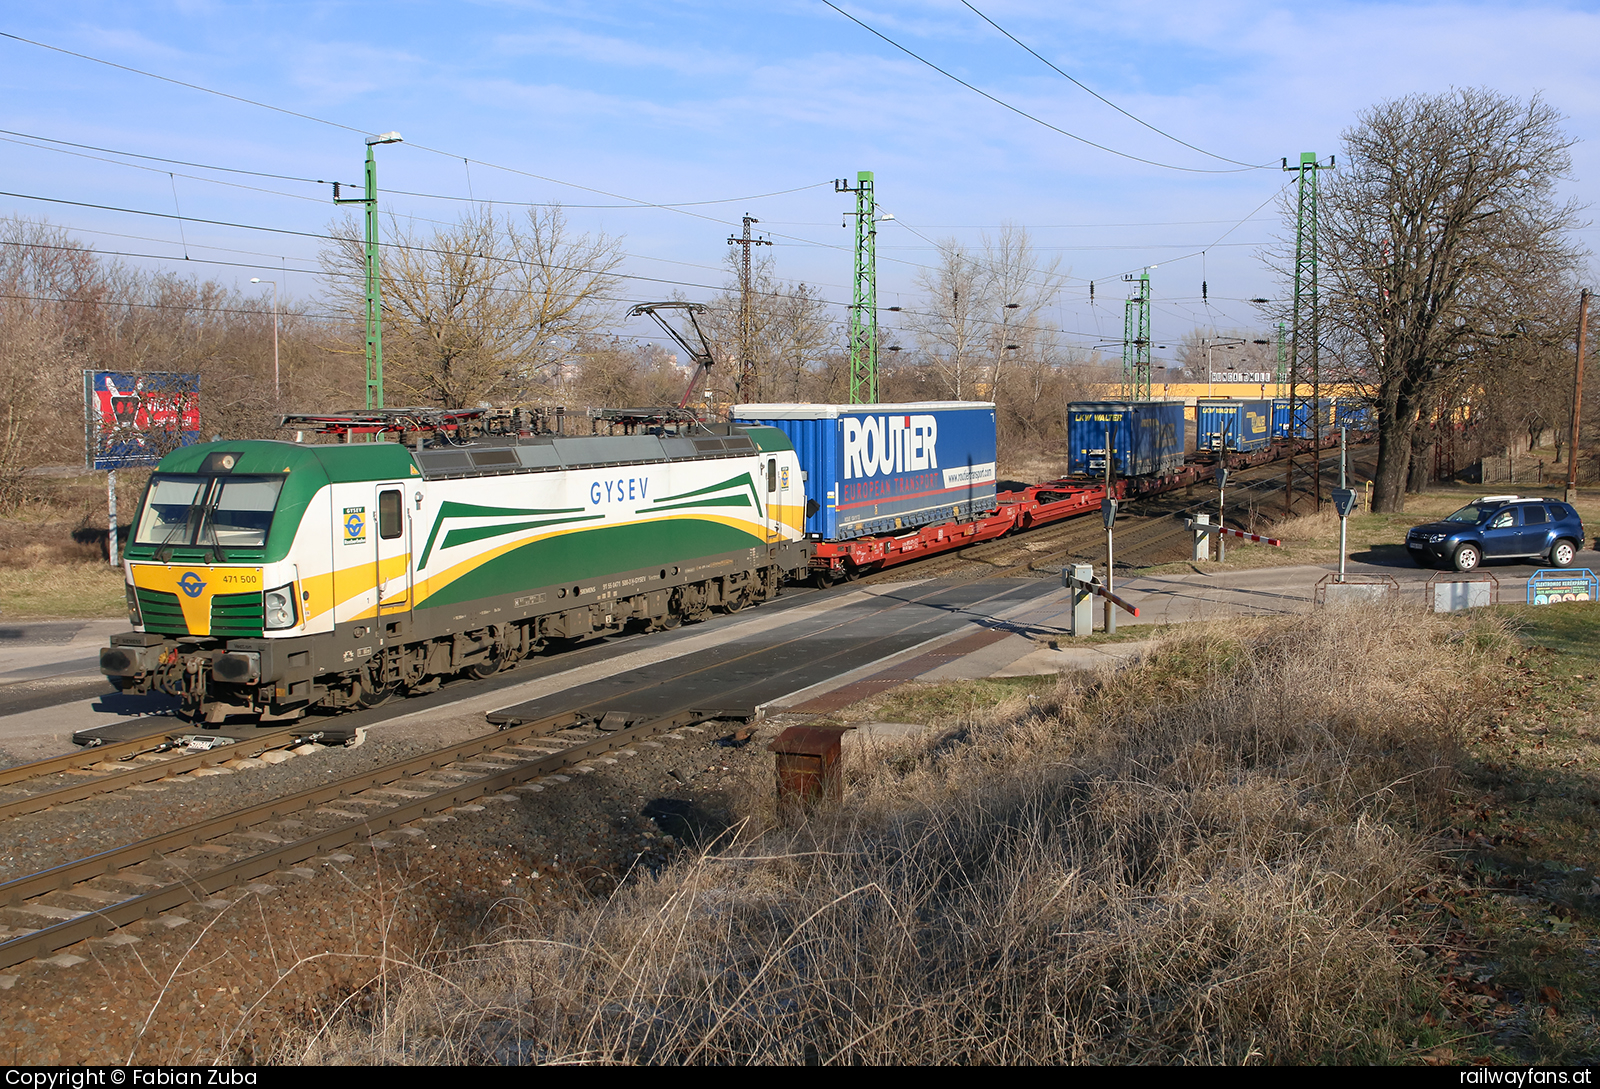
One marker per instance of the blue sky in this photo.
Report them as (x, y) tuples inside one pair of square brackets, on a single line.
[(708, 100)]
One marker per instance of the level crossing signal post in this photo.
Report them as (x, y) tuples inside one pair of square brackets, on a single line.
[(1108, 515), (1222, 505), (1344, 499)]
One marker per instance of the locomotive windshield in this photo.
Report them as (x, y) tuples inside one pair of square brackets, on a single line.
[(212, 512)]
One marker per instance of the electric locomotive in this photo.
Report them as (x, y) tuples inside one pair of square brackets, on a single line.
[(265, 577)]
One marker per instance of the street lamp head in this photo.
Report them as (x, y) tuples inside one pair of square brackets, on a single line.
[(255, 279), (1013, 306), (386, 138)]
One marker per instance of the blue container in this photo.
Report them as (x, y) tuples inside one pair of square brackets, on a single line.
[(1305, 421), (876, 469), (1280, 418), (1353, 414), (1233, 424), (1147, 437)]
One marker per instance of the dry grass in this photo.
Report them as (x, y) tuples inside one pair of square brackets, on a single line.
[(1190, 861)]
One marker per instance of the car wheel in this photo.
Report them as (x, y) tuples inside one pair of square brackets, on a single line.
[(1563, 554), (1468, 557)]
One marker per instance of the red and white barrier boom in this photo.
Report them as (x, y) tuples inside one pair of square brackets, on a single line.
[(1203, 531)]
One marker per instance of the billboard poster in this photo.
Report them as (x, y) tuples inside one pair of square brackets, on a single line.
[(133, 418), (1553, 587)]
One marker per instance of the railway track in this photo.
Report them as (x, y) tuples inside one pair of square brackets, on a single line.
[(92, 896)]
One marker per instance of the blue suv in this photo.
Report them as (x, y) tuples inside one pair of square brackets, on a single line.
[(1499, 527)]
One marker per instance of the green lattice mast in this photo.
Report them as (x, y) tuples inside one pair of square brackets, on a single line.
[(864, 292), (1304, 358), (1136, 341)]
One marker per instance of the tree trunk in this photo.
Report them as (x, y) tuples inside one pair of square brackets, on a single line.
[(1419, 471), (1394, 446)]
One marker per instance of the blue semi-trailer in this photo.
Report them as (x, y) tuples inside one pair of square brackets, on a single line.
[(1233, 424), (876, 469), (1146, 437)]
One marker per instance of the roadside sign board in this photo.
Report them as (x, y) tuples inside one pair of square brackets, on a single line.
[(1344, 501), (1554, 587), (134, 418)]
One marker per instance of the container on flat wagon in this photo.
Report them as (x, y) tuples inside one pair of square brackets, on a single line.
[(1233, 423), (1307, 416), (1280, 418), (1352, 413), (1147, 437), (874, 469)]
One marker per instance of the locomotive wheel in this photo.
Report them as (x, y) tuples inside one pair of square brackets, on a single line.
[(740, 598), (486, 668), (375, 697)]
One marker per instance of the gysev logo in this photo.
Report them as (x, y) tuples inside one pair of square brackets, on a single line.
[(191, 584), (355, 525)]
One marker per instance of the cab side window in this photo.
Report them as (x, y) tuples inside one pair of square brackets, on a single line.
[(391, 522)]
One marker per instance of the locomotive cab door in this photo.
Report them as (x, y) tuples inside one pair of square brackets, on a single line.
[(393, 538), (777, 481)]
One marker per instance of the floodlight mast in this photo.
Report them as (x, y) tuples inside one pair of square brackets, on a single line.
[(699, 357), (374, 383)]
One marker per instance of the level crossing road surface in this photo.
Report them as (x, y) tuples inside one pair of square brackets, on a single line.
[(861, 637)]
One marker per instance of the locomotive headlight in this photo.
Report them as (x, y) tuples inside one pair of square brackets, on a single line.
[(133, 604), (280, 608)]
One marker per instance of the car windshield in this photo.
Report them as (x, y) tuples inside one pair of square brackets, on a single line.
[(226, 512), (1473, 513)]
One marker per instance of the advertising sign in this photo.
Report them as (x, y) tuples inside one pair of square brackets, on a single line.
[(133, 418), (1553, 587)]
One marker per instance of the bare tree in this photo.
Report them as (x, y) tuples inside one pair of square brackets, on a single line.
[(947, 328), (1445, 248), (791, 336), (483, 308)]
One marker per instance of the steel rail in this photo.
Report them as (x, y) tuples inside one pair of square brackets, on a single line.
[(97, 922), (149, 772), (79, 758)]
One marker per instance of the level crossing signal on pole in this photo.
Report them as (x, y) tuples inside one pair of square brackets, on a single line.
[(1108, 512)]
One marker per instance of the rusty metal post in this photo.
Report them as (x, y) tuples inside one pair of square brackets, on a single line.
[(807, 766), (1577, 399)]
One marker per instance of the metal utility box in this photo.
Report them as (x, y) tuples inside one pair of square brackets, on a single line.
[(808, 765), (1147, 437), (875, 469), (1233, 424)]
